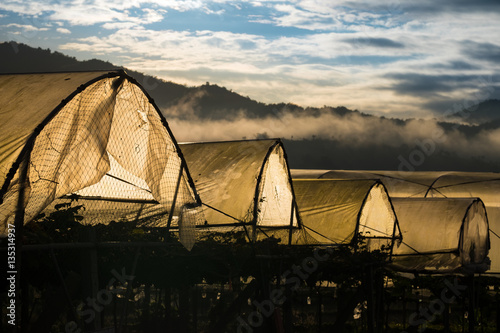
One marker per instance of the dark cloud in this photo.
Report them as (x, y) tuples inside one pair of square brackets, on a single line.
[(436, 7), (481, 51), (456, 65), (433, 85), (421, 84), (449, 106), (462, 5), (375, 42)]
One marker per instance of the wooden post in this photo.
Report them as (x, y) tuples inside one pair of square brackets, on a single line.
[(290, 231), (94, 276), (370, 301), (64, 286), (287, 309), (21, 307), (462, 302), (446, 317), (123, 319), (320, 315), (379, 300), (115, 317), (194, 302), (472, 307), (404, 307), (184, 308), (498, 312), (167, 301), (147, 303)]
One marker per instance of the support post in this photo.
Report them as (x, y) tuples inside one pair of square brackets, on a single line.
[(287, 310), (320, 312), (498, 312), (472, 307), (379, 300), (184, 308), (21, 307), (371, 303), (167, 301), (404, 308), (194, 302), (64, 286), (446, 317), (94, 275), (123, 319), (171, 213), (291, 223)]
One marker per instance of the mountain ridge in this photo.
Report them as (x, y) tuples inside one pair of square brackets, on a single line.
[(321, 138), (480, 113), (208, 101)]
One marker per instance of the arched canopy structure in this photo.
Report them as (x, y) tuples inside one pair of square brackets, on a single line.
[(96, 136), (339, 212), (423, 184), (441, 235), (243, 183)]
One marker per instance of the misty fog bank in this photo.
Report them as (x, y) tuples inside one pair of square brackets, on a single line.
[(356, 141)]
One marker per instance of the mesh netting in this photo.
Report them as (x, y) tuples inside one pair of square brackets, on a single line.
[(298, 236), (108, 151), (276, 198), (474, 245), (377, 219)]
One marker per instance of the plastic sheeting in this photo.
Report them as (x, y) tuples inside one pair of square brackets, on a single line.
[(419, 184), (460, 239), (106, 144), (242, 182), (338, 212), (26, 100)]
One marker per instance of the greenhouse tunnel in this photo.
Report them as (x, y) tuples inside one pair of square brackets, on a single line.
[(244, 184), (428, 184), (90, 139), (442, 235), (341, 211)]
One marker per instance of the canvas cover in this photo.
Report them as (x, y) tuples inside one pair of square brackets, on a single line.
[(459, 229), (243, 183), (428, 184), (94, 136), (338, 212)]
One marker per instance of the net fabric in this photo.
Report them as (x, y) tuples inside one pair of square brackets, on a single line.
[(276, 197), (434, 184), (226, 175), (485, 185), (299, 236), (459, 234), (25, 101), (474, 243), (378, 221), (188, 219), (418, 216), (67, 139), (331, 210), (108, 149), (10, 203)]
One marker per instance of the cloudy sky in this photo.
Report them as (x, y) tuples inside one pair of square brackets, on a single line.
[(393, 58)]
